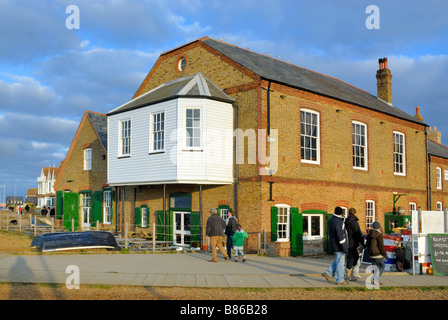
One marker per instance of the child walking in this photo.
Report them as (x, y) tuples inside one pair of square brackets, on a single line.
[(238, 242)]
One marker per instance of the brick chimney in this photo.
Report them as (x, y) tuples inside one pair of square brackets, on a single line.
[(418, 116), (435, 135), (384, 81)]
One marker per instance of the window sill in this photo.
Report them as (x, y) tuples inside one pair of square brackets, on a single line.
[(124, 156), (192, 150), (156, 152)]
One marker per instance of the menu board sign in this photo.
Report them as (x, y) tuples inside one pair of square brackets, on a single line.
[(438, 244)]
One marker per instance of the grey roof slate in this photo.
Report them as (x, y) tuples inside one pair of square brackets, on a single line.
[(193, 86), (99, 122), (437, 149), (282, 72)]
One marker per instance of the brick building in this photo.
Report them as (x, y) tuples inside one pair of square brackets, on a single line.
[(438, 171), (320, 143), (81, 186)]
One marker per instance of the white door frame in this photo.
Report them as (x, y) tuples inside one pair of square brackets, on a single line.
[(181, 230)]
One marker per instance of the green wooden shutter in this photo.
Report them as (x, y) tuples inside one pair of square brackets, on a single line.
[(164, 228), (195, 227), (159, 225), (296, 232), (59, 204), (169, 225), (274, 212), (71, 210), (138, 216), (97, 203)]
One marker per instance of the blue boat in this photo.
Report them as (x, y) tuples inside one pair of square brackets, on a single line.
[(60, 241)]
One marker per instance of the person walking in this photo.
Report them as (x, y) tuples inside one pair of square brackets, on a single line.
[(339, 245), (238, 242), (355, 240), (375, 247), (232, 223), (215, 230)]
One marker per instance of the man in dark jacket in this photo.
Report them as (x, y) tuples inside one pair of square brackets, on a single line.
[(355, 239), (215, 230), (230, 230), (339, 245)]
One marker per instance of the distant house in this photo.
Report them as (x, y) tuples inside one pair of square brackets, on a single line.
[(45, 190), (14, 201), (31, 196), (82, 194)]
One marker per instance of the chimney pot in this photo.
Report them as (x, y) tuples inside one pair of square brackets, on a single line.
[(384, 81)]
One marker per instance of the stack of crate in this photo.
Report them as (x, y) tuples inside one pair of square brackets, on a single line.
[(391, 243)]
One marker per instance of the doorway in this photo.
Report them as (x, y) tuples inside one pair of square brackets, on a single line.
[(181, 228)]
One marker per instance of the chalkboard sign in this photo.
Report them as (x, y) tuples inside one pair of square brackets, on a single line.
[(438, 245)]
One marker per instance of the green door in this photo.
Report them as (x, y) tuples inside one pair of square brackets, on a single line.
[(296, 232), (71, 210)]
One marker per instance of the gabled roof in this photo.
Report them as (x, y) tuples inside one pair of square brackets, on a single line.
[(193, 86), (437, 149), (99, 123)]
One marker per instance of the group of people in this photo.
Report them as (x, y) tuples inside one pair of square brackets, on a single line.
[(215, 230), (347, 242), (345, 236)]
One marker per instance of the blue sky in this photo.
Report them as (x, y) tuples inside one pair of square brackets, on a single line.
[(49, 75)]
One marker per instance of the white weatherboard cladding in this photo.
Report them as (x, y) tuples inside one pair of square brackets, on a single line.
[(141, 166), (213, 163)]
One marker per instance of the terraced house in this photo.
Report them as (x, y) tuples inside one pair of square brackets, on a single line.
[(185, 144)]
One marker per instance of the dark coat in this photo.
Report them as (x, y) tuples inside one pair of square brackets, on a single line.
[(337, 234), (231, 226), (215, 226), (355, 238), (375, 244)]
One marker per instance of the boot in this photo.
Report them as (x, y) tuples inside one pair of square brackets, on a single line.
[(348, 274)]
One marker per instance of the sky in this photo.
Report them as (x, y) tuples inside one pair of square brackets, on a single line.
[(56, 62)]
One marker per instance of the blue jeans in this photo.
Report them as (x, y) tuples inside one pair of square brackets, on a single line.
[(229, 246), (337, 267)]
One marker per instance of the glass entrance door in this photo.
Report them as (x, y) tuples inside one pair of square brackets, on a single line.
[(181, 228), (86, 202)]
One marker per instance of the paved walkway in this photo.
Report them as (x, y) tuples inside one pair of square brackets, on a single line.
[(188, 270)]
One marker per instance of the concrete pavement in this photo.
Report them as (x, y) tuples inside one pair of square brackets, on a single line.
[(189, 270)]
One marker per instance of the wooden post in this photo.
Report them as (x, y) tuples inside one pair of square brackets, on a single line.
[(126, 235), (52, 224), (73, 225), (154, 237), (35, 226), (97, 225), (20, 224)]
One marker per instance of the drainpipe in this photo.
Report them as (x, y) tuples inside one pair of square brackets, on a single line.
[(235, 168), (268, 126), (164, 210), (200, 213), (428, 175)]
